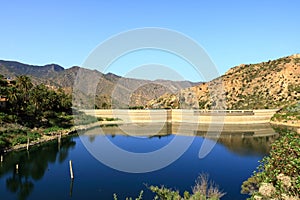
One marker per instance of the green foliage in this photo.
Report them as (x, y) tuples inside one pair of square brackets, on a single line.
[(52, 129), (29, 104), (32, 106), (288, 113), (112, 119), (83, 119), (203, 190), (164, 193), (19, 139), (33, 135), (100, 119), (140, 197), (3, 142), (11, 137), (202, 104), (281, 170)]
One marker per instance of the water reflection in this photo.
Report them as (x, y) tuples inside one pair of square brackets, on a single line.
[(240, 139), (232, 154), (23, 169)]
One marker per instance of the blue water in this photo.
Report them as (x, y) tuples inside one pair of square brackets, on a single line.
[(44, 171)]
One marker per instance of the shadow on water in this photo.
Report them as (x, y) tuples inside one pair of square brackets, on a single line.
[(23, 168)]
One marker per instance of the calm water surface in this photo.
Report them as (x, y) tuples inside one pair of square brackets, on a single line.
[(44, 171)]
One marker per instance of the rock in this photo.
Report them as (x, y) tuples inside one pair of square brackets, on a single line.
[(267, 189), (285, 180), (256, 197)]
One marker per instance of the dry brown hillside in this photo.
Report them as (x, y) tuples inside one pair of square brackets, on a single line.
[(97, 89), (271, 84)]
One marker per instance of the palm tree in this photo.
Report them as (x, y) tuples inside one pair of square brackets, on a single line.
[(24, 84)]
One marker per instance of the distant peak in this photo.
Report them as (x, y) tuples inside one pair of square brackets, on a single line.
[(109, 74), (54, 67)]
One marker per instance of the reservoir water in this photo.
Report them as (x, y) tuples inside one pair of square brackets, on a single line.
[(43, 171)]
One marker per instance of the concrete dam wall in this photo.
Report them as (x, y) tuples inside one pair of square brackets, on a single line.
[(187, 116)]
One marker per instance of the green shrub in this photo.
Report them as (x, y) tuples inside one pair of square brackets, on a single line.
[(33, 135), (3, 142), (111, 119), (100, 119), (52, 129), (203, 190), (83, 119), (280, 171), (19, 139), (140, 197)]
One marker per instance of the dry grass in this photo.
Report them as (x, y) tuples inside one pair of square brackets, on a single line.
[(207, 188)]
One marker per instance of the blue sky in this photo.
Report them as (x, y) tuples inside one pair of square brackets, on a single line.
[(231, 32)]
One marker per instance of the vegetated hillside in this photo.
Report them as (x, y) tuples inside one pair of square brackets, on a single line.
[(98, 90), (271, 84)]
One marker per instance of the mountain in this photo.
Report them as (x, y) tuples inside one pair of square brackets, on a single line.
[(12, 68), (95, 89), (113, 91), (271, 84)]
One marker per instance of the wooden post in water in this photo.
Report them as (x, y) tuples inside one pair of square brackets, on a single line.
[(27, 147), (71, 187), (71, 170), (1, 158), (59, 141), (17, 168), (59, 138)]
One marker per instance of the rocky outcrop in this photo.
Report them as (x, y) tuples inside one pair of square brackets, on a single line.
[(271, 84)]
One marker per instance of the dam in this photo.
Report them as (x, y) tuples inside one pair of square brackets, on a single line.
[(236, 117)]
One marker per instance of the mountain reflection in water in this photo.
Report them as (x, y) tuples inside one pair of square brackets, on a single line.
[(240, 139)]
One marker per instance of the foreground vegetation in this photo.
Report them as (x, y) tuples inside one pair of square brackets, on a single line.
[(278, 176), (203, 190)]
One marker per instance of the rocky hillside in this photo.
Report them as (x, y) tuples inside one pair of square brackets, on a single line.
[(12, 68), (111, 90), (271, 84)]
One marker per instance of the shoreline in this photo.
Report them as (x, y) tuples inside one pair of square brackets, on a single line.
[(289, 124), (75, 129), (54, 136)]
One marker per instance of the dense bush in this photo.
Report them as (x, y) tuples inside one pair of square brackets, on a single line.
[(19, 139), (278, 176), (29, 104)]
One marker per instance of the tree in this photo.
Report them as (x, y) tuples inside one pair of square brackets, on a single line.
[(24, 84)]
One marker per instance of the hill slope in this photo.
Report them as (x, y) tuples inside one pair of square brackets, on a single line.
[(12, 68), (111, 90), (271, 84)]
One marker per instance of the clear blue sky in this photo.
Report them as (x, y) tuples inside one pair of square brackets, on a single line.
[(66, 31)]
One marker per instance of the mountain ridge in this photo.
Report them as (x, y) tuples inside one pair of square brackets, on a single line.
[(131, 89), (271, 84)]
